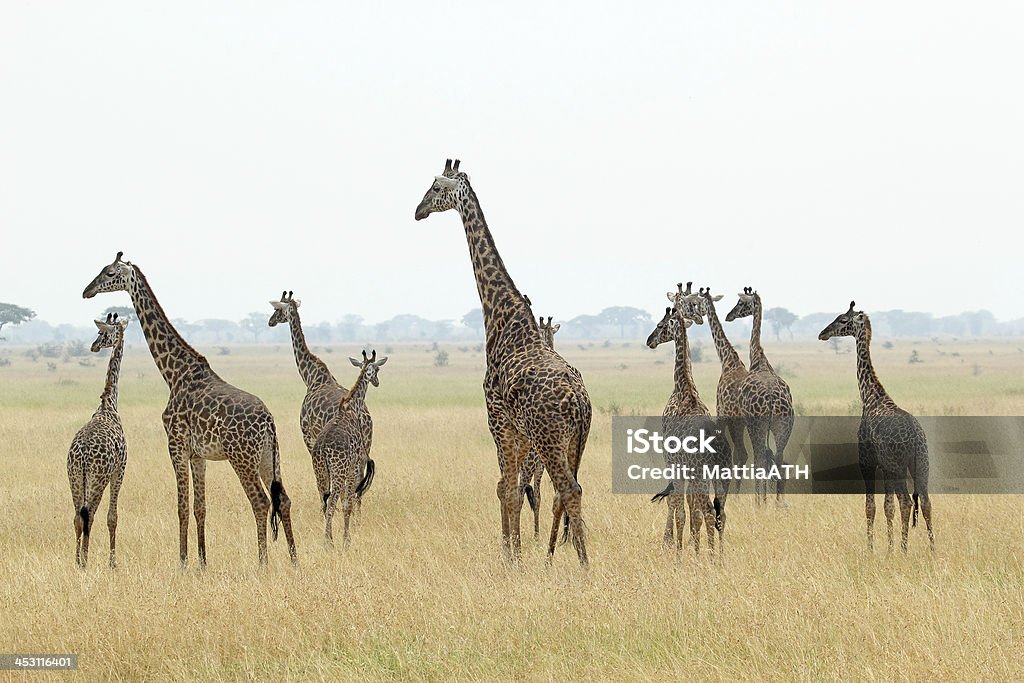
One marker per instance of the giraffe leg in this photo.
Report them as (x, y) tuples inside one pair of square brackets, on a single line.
[(79, 530), (868, 473), (676, 518), (696, 518), (782, 429), (570, 501), (905, 506), (758, 429), (284, 506), (332, 505), (536, 495), (890, 507), (258, 499), (346, 511), (513, 454), (94, 494), (735, 427), (198, 466), (921, 492), (323, 480), (115, 490), (179, 461)]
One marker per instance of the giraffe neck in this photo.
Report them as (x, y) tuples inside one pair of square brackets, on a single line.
[(108, 399), (871, 390), (501, 302), (726, 353), (174, 358), (757, 358), (313, 371), (683, 374), (356, 396)]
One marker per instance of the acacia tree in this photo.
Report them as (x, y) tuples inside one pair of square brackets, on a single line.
[(623, 316), (781, 319), (14, 315), (474, 320)]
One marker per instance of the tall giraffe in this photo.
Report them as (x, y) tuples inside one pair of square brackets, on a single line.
[(533, 397), (533, 468), (728, 398), (766, 399), (98, 453), (889, 437), (342, 446), (323, 392), (686, 413), (205, 419)]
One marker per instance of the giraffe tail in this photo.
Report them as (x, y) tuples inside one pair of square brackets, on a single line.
[(915, 508), (367, 479), (276, 487), (658, 497), (718, 513), (531, 498), (86, 519)]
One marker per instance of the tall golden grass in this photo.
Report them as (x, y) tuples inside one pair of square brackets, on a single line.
[(423, 593)]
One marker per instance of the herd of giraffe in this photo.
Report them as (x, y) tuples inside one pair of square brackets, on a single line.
[(538, 412)]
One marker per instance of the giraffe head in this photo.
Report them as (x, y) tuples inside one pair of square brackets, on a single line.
[(444, 192), (111, 331), (744, 308), (116, 277), (849, 324), (371, 365), (707, 300), (690, 305), (667, 327), (547, 330), (283, 308)]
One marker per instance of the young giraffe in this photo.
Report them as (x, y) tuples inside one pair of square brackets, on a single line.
[(342, 447), (533, 468), (889, 437), (534, 398), (323, 392), (205, 419), (686, 413), (98, 453), (767, 401), (728, 399)]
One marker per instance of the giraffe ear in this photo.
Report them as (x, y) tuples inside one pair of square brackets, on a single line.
[(382, 361), (99, 324), (687, 322), (671, 296), (279, 305), (355, 362), (717, 298), (556, 327), (446, 183)]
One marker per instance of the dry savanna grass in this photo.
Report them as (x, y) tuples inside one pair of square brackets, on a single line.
[(423, 591)]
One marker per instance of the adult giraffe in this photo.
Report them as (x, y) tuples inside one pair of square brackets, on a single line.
[(533, 397), (205, 419)]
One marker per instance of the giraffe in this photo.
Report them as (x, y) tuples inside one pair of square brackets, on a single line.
[(205, 419), (534, 398), (766, 399), (889, 437), (341, 446), (728, 399), (323, 392), (686, 413), (98, 453), (533, 468)]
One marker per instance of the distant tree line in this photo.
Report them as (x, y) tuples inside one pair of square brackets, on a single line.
[(21, 326)]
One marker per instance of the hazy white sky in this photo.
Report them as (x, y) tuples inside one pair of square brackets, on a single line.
[(820, 152)]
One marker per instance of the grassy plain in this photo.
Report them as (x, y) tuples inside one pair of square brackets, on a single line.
[(423, 591)]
